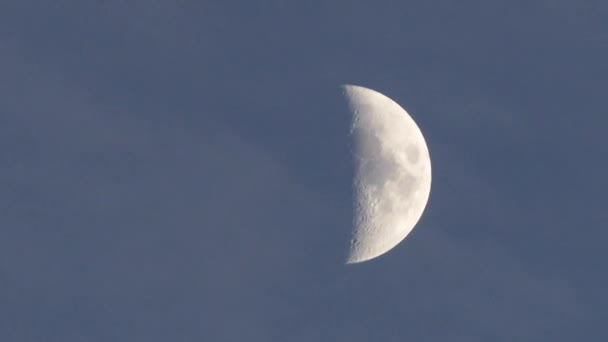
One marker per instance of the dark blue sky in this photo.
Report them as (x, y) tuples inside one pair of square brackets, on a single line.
[(179, 170)]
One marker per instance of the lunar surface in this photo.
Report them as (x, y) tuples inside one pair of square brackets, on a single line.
[(392, 177)]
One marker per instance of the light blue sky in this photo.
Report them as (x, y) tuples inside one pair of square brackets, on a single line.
[(179, 170)]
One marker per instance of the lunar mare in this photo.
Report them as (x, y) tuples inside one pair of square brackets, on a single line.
[(393, 173)]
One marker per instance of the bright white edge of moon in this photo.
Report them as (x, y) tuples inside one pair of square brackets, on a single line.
[(393, 173)]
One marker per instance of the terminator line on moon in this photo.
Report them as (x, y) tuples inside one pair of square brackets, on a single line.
[(392, 177)]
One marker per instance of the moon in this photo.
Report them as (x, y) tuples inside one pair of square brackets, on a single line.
[(392, 180)]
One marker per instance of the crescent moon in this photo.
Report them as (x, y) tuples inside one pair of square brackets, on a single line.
[(392, 180)]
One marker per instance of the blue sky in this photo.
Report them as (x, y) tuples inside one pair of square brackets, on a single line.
[(180, 170)]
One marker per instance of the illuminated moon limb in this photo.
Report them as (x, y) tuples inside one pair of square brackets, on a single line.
[(393, 173)]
